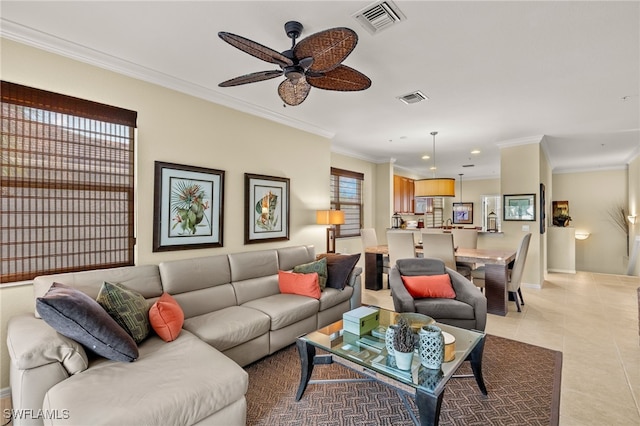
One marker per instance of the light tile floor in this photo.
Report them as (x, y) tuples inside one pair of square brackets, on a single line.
[(593, 319)]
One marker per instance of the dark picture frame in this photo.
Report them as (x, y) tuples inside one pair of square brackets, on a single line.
[(266, 208), (188, 207), (543, 213), (519, 207), (463, 216)]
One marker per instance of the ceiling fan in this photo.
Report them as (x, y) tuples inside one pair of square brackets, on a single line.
[(315, 61)]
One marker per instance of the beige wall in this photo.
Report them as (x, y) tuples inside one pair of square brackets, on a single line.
[(182, 129), (520, 174), (590, 194)]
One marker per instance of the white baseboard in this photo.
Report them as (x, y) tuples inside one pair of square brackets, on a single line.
[(5, 393), (563, 271)]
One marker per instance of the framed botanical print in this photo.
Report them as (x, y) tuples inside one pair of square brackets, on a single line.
[(188, 207), (266, 208)]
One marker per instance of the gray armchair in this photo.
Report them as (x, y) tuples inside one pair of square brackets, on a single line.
[(468, 309)]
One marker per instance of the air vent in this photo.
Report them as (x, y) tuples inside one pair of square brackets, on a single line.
[(413, 97), (379, 16), (468, 165)]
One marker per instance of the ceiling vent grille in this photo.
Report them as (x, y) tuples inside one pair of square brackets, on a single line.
[(379, 16), (413, 97)]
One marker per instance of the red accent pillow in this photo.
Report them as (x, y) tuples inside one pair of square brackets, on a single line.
[(166, 317), (302, 284), (422, 286)]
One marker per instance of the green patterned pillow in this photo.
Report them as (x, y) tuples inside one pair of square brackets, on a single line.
[(319, 266), (127, 307)]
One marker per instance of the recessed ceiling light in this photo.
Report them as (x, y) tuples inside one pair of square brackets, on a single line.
[(425, 157), (475, 151)]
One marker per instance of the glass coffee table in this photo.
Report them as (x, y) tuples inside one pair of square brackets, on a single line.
[(367, 355)]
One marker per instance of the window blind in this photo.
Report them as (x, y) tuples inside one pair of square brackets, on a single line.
[(67, 184), (346, 195)]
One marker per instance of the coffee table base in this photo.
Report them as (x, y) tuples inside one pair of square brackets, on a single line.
[(428, 404)]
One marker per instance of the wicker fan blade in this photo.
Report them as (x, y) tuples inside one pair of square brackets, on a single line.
[(327, 48), (251, 78), (255, 49), (294, 94), (343, 78)]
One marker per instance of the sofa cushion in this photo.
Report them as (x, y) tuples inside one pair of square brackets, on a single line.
[(75, 315), (332, 297), (285, 309), (302, 284), (339, 267), (180, 383), (420, 286), (129, 308), (229, 327), (166, 318), (318, 266)]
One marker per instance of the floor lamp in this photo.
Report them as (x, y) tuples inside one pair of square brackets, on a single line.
[(331, 218)]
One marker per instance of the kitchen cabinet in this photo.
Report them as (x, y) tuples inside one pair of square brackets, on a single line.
[(403, 195)]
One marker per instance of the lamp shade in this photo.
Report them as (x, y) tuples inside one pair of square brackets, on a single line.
[(329, 217), (435, 187)]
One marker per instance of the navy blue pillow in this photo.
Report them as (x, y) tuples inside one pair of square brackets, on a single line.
[(77, 316)]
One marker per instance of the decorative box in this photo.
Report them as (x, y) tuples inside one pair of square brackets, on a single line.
[(360, 321)]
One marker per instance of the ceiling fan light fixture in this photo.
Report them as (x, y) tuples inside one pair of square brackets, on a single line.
[(315, 61)]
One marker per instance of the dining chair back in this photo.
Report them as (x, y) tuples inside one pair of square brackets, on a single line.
[(465, 238), (440, 246), (515, 277), (369, 237), (401, 246)]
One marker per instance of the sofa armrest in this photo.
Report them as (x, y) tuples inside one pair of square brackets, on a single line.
[(33, 343), (355, 274), (355, 281)]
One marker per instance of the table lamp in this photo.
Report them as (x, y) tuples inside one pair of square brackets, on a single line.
[(332, 218)]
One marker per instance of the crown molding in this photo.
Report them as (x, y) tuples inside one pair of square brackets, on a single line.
[(521, 141), (49, 43)]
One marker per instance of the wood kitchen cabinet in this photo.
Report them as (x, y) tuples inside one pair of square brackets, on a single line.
[(403, 194)]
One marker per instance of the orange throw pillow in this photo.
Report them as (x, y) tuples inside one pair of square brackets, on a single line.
[(436, 286), (302, 284), (166, 317)]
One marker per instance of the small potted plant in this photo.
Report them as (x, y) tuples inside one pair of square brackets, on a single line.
[(562, 220), (404, 340)]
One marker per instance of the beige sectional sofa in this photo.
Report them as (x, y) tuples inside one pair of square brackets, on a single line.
[(234, 315)]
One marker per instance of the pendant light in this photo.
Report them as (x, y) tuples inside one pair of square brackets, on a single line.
[(435, 187), (460, 207)]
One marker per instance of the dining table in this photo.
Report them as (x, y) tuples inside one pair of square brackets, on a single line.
[(496, 263)]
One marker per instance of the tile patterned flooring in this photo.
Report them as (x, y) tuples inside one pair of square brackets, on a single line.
[(593, 319)]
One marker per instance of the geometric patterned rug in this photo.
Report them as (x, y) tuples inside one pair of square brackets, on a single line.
[(523, 385)]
